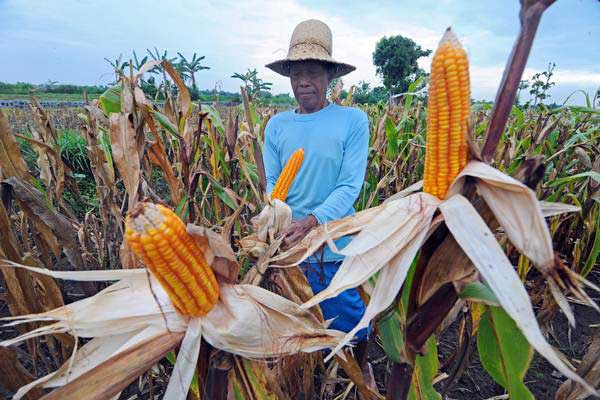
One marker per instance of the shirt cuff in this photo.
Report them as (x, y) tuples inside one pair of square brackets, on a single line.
[(318, 217)]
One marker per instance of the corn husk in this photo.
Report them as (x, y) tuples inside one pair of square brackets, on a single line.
[(376, 248), (247, 320), (275, 217)]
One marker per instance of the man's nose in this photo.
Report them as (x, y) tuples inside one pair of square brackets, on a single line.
[(303, 80)]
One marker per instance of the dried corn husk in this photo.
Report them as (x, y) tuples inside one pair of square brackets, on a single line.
[(394, 231), (247, 320), (275, 217)]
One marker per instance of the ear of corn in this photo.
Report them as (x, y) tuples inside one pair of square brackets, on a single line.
[(289, 172), (447, 116), (158, 236)]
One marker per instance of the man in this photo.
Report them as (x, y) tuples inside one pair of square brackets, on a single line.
[(335, 141)]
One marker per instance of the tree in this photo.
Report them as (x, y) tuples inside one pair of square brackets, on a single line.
[(192, 66), (395, 59), (365, 94), (541, 84), (253, 84)]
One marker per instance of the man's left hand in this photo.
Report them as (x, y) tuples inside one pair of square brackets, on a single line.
[(297, 230)]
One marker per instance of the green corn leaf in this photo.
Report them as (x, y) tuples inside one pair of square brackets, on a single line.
[(166, 123), (223, 195), (110, 100), (255, 384), (588, 174), (426, 367), (391, 332), (594, 253), (215, 117), (391, 329), (392, 137), (504, 352), (480, 293)]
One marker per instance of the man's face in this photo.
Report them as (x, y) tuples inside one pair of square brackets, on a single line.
[(309, 81)]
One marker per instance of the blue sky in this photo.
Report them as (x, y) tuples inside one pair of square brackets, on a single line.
[(67, 40)]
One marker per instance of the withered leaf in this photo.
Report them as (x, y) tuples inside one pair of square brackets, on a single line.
[(125, 153), (11, 162), (54, 227)]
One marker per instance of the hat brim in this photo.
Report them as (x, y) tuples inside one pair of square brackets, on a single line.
[(282, 67)]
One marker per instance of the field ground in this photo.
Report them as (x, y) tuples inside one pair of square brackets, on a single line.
[(49, 96)]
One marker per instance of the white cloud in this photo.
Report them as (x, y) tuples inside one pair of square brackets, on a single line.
[(67, 41), (485, 81)]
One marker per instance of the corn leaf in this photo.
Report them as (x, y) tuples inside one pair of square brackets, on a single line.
[(391, 333), (215, 117), (166, 123), (426, 368), (392, 136), (480, 293), (594, 253), (185, 366), (482, 248), (504, 352), (250, 382), (588, 174), (110, 100)]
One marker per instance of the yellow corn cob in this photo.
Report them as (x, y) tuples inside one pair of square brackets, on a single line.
[(284, 182), (447, 116), (158, 236)]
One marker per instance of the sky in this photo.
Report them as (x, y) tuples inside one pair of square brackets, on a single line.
[(67, 40)]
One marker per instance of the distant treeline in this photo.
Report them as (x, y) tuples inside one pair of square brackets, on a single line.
[(24, 88)]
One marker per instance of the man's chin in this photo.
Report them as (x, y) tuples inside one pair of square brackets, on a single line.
[(310, 106)]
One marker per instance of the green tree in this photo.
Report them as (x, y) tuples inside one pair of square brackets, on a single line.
[(395, 59), (253, 84), (365, 94), (192, 66), (541, 84)]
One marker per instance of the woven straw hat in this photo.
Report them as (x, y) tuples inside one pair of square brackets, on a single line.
[(311, 40)]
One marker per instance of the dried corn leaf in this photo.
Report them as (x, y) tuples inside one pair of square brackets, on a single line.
[(13, 375), (185, 366), (516, 208), (387, 236), (388, 284), (550, 209), (247, 320), (480, 245), (252, 322), (325, 233), (11, 162), (125, 152), (108, 379), (54, 227)]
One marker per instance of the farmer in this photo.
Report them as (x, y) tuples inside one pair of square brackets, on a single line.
[(335, 141)]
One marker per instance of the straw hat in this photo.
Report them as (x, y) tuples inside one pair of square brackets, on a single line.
[(311, 40)]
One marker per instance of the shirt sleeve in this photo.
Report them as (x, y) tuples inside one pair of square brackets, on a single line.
[(351, 175), (271, 157)]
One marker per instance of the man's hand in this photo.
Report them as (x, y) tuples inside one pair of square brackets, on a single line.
[(297, 230)]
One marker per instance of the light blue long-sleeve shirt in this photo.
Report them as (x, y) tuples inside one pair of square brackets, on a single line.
[(336, 144)]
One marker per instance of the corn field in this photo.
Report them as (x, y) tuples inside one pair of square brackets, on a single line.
[(69, 177)]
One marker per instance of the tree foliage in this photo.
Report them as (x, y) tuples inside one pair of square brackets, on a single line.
[(395, 59), (365, 94)]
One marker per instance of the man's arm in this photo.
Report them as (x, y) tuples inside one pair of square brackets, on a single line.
[(351, 176), (271, 157)]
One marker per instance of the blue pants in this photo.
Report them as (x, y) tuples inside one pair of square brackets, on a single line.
[(347, 308)]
